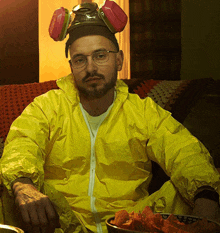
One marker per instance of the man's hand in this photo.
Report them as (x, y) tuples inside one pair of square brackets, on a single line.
[(37, 211), (207, 208)]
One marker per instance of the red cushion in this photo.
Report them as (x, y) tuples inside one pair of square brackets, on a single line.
[(14, 99)]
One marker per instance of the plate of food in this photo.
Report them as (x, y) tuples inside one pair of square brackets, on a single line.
[(147, 221)]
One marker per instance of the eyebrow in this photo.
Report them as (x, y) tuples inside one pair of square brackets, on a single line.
[(80, 54)]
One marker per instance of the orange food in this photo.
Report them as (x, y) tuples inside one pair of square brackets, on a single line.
[(147, 221), (120, 217)]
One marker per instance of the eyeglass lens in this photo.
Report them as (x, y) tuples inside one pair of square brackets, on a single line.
[(99, 58)]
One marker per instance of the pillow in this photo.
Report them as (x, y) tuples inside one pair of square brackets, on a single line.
[(178, 97)]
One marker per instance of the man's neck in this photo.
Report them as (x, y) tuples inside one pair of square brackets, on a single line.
[(96, 107)]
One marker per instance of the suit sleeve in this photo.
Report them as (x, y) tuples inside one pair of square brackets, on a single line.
[(25, 147), (181, 155)]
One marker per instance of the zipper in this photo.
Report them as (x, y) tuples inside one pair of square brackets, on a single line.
[(92, 168), (92, 176)]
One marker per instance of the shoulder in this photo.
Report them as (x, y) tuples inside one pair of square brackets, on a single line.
[(51, 97), (46, 104), (152, 114), (146, 105)]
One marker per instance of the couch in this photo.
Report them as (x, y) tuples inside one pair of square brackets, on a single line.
[(187, 100)]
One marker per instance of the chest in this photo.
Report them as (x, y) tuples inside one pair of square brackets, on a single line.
[(119, 138)]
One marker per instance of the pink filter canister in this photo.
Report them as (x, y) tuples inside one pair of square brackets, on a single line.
[(56, 24), (115, 15)]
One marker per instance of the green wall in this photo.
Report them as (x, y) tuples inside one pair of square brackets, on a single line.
[(200, 32)]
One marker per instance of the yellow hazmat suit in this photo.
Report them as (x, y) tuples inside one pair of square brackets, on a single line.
[(102, 169)]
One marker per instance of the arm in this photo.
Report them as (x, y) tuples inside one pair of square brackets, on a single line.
[(184, 159), (37, 211), (207, 204), (26, 147), (24, 156), (207, 208)]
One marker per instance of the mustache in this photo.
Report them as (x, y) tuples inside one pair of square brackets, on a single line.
[(92, 75)]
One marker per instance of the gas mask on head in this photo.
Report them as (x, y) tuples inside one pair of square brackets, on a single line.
[(89, 20)]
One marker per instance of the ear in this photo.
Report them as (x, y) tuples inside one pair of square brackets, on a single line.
[(120, 60), (71, 66)]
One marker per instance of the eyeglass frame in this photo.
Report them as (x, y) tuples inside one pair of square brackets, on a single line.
[(70, 61)]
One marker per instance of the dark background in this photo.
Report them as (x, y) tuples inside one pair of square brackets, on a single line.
[(19, 51)]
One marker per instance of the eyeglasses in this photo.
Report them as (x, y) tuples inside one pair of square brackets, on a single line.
[(99, 57)]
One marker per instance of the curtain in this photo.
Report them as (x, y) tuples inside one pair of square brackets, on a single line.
[(53, 63), (155, 39)]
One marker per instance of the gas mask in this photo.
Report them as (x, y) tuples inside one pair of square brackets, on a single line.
[(107, 21)]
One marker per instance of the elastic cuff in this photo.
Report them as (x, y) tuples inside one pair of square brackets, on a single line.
[(208, 194), (20, 179)]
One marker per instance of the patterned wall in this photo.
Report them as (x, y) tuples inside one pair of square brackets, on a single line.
[(155, 39)]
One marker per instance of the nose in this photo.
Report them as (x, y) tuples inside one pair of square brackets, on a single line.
[(90, 65)]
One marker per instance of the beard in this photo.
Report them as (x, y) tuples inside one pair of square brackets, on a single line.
[(95, 90)]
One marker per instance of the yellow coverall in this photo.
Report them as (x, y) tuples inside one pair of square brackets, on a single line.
[(90, 171)]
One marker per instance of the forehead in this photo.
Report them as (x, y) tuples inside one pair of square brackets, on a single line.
[(88, 44)]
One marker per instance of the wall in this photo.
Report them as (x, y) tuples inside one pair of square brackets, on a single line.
[(53, 63), (200, 33), (19, 58)]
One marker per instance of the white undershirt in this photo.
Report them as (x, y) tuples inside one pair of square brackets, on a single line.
[(95, 120)]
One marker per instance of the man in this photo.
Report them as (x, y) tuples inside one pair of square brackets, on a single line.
[(92, 142)]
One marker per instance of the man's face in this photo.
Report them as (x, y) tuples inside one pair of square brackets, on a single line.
[(106, 72)]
